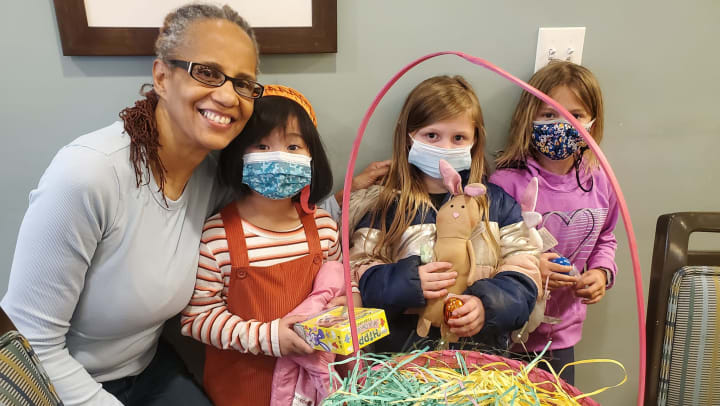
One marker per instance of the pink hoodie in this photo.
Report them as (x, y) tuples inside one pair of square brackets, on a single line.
[(583, 224), (305, 379)]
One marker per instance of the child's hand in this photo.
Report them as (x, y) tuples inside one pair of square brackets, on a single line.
[(337, 301), (357, 299), (342, 301), (290, 342), (591, 286), (552, 270), (434, 281), (470, 317), (371, 175)]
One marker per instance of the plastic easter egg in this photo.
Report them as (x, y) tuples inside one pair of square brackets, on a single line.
[(451, 304), (562, 261)]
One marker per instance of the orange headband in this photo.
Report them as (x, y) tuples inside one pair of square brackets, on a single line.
[(292, 94)]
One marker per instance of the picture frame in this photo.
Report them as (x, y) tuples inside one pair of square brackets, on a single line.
[(79, 39)]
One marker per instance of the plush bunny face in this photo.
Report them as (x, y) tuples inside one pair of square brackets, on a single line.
[(458, 217)]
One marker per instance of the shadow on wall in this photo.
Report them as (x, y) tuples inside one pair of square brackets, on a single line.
[(107, 66), (298, 63)]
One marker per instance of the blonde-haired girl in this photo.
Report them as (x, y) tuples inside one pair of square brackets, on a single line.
[(441, 119), (574, 197)]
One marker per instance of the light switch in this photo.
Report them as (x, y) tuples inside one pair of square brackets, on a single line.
[(564, 43)]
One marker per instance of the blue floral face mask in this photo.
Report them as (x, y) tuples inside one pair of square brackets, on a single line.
[(557, 139), (276, 175)]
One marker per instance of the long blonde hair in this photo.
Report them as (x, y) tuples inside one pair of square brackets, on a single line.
[(557, 73), (435, 99)]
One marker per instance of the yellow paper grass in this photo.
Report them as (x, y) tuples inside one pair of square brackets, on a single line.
[(403, 381)]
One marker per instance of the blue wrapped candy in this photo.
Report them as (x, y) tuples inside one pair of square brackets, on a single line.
[(562, 261)]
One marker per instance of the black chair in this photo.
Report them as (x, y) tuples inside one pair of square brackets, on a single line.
[(683, 341)]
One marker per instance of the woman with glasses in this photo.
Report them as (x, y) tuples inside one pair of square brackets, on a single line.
[(108, 247)]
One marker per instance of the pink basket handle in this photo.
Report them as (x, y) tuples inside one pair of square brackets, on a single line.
[(640, 300)]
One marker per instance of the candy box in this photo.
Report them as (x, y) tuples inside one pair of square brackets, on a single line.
[(330, 330)]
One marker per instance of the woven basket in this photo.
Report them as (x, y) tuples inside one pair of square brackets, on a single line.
[(473, 359)]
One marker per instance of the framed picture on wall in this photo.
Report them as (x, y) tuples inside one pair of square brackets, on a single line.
[(130, 27)]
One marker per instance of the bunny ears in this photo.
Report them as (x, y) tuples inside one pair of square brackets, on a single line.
[(453, 182), (528, 200)]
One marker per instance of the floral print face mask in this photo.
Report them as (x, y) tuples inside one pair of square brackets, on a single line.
[(557, 139), (277, 174)]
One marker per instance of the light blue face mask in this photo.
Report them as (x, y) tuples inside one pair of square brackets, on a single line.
[(277, 174), (427, 158)]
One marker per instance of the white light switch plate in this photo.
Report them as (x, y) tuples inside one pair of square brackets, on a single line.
[(564, 43)]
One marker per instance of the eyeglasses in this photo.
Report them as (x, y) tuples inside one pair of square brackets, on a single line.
[(213, 77)]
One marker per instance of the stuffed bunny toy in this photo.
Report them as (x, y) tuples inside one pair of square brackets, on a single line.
[(455, 222), (531, 220)]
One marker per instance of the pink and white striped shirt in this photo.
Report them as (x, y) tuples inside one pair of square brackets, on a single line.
[(207, 318)]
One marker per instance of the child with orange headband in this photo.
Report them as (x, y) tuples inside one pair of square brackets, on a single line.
[(263, 257)]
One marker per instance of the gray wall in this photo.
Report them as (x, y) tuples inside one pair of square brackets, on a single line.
[(657, 62)]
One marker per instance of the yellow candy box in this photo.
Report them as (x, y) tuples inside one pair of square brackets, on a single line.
[(330, 330)]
